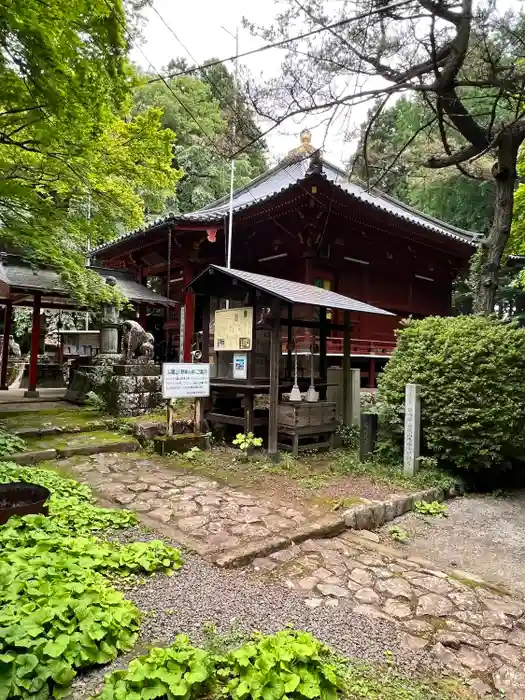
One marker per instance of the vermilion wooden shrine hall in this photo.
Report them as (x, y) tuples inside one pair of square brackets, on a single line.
[(304, 221)]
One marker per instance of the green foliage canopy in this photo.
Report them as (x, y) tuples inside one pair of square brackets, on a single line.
[(472, 376), (202, 110), (74, 167)]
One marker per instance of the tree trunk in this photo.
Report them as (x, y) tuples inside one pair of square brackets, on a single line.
[(493, 246)]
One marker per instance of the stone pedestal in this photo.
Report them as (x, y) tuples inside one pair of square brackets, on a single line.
[(134, 389)]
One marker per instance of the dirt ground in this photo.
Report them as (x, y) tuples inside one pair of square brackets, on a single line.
[(483, 535), (312, 480)]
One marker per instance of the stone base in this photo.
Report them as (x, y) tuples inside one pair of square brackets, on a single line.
[(134, 390), (179, 443), (31, 394), (81, 384)]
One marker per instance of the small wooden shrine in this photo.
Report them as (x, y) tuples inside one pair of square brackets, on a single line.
[(244, 315)]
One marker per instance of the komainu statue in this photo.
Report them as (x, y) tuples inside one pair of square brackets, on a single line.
[(137, 344), (14, 347)]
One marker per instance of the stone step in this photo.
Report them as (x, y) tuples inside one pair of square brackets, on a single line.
[(34, 456)]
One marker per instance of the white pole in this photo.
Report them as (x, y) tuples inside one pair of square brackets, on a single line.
[(232, 167)]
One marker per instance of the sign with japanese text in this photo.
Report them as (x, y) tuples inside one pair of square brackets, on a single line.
[(233, 329), (181, 380)]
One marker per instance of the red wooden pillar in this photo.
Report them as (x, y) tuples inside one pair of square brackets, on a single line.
[(35, 337), (189, 313), (8, 322), (372, 374)]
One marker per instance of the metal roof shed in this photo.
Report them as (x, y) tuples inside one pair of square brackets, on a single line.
[(254, 289)]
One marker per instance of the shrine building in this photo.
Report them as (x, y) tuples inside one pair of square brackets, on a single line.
[(303, 221)]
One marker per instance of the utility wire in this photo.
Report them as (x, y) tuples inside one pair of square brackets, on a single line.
[(215, 88), (283, 42)]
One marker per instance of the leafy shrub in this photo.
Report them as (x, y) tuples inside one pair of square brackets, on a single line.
[(57, 611), (435, 508), (96, 402), (180, 671), (348, 434), (10, 444), (248, 441), (398, 534), (289, 664), (472, 376)]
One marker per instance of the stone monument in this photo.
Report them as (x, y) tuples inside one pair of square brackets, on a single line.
[(94, 376), (135, 385)]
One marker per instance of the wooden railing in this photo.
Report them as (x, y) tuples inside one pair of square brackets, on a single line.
[(358, 346)]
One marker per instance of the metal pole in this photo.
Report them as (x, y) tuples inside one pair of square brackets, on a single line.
[(232, 165)]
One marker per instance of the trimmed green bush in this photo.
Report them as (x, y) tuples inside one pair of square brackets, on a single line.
[(472, 376)]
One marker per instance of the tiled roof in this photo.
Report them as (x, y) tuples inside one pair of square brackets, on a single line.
[(294, 292), (285, 176), (19, 276)]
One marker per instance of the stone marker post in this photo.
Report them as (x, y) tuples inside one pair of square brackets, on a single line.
[(355, 390), (412, 428), (368, 438)]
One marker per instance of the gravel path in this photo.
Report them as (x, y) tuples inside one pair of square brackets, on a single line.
[(482, 535), (201, 593)]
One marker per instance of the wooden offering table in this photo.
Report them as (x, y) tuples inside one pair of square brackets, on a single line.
[(314, 422)]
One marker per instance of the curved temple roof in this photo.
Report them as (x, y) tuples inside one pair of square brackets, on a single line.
[(285, 176)]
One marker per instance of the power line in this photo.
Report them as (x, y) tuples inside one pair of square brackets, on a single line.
[(283, 42), (205, 77), (177, 98)]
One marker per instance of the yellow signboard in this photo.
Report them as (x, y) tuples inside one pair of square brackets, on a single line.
[(233, 329)]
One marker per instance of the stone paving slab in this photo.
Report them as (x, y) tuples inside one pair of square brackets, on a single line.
[(474, 631), (206, 516)]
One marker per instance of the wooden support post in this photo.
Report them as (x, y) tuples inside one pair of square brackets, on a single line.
[(412, 429), (372, 373), (248, 412), (198, 418), (32, 392), (275, 359), (289, 361), (323, 335), (8, 322), (169, 418), (189, 314), (347, 394)]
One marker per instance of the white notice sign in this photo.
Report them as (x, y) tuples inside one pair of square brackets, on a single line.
[(181, 380)]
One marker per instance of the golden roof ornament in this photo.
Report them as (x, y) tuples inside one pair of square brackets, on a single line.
[(305, 149)]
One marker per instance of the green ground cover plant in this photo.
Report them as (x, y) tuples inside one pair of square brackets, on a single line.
[(58, 611), (289, 665)]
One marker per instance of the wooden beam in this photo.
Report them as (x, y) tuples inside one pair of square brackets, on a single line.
[(275, 359), (8, 320)]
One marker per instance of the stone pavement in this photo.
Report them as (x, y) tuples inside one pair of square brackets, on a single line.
[(195, 511), (474, 631)]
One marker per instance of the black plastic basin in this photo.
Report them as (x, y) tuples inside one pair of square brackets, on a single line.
[(19, 498)]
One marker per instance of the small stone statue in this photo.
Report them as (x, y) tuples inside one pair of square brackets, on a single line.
[(137, 344), (14, 347)]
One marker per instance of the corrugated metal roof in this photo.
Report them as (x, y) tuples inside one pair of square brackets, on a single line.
[(22, 277), (296, 292), (285, 176)]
